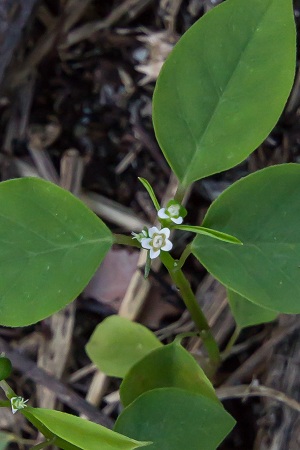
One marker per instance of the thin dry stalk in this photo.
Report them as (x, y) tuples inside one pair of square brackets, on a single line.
[(130, 8), (244, 391)]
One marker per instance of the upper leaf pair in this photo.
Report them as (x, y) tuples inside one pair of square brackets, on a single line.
[(263, 211), (221, 90)]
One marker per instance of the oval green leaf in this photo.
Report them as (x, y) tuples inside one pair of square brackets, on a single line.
[(5, 367), (246, 313), (174, 419), (75, 433), (263, 211), (221, 90), (50, 246), (168, 366), (117, 344)]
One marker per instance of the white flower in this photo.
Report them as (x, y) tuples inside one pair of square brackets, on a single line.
[(17, 403), (174, 211), (157, 241)]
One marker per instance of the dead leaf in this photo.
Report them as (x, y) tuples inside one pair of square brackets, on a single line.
[(159, 45), (111, 280)]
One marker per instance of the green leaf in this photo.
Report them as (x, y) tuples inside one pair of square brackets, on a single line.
[(168, 366), (221, 90), (150, 191), (50, 246), (75, 433), (5, 367), (263, 211), (117, 344), (247, 313), (212, 233), (175, 419)]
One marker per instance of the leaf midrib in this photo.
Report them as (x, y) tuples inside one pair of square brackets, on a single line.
[(31, 255), (220, 98)]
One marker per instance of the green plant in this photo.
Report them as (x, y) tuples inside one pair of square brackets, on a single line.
[(218, 96)]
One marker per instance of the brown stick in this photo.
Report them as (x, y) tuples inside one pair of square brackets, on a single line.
[(243, 391), (66, 395)]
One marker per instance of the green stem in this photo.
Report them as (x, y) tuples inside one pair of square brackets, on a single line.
[(44, 444), (192, 305), (23, 441), (184, 256), (126, 240), (7, 389), (231, 342), (180, 193)]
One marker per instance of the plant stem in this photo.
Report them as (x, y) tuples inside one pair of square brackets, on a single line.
[(184, 256), (44, 444), (126, 240), (231, 343), (7, 389), (23, 441), (180, 193), (192, 305)]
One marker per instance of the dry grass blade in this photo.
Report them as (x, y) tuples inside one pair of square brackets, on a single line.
[(112, 211), (38, 138), (53, 353), (60, 25), (13, 19), (170, 9), (17, 125), (71, 171), (130, 8), (244, 391)]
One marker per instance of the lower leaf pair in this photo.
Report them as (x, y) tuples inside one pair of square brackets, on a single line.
[(167, 397)]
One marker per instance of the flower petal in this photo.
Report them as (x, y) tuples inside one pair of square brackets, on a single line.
[(166, 232), (179, 220), (168, 246), (154, 253), (162, 214), (152, 230), (145, 243)]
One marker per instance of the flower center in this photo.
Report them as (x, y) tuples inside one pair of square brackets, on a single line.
[(158, 241), (173, 210)]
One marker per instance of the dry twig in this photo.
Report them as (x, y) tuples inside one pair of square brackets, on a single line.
[(244, 391), (66, 395)]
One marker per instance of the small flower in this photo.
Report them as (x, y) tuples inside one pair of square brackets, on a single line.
[(17, 403), (174, 211), (157, 241), (139, 236)]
